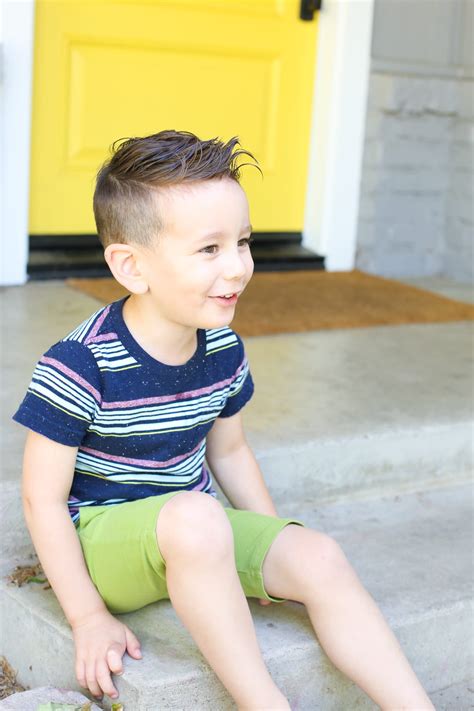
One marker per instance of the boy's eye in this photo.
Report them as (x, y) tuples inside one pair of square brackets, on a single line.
[(247, 241), (210, 249)]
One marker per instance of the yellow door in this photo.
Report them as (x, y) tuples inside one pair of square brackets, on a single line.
[(106, 69)]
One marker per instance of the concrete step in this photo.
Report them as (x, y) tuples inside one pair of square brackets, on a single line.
[(459, 697), (362, 411), (412, 552)]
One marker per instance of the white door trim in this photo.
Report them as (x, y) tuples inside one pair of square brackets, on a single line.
[(337, 132), (16, 33), (336, 144)]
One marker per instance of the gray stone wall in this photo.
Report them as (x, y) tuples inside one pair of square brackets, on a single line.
[(417, 191), (459, 232)]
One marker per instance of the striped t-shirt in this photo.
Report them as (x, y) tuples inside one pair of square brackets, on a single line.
[(140, 425)]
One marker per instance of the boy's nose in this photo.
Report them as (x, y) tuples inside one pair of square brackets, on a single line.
[(235, 267)]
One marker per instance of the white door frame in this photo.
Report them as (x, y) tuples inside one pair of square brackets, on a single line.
[(338, 130), (336, 143), (16, 79)]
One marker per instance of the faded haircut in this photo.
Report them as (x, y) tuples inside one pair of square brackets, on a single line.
[(126, 208)]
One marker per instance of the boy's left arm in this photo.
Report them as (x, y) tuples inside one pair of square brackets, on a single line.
[(235, 468)]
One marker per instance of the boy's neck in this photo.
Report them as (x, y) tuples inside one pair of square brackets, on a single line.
[(168, 342)]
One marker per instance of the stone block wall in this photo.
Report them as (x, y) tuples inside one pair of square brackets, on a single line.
[(417, 192), (459, 235), (416, 215)]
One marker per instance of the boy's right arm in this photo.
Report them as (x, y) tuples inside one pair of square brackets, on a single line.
[(100, 639)]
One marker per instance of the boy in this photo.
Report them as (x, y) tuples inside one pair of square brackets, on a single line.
[(121, 414)]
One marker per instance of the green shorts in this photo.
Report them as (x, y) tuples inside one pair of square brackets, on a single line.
[(126, 566)]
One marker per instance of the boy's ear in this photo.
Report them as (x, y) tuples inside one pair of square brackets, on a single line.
[(124, 263)]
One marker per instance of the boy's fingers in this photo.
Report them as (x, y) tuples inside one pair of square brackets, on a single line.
[(114, 659), (133, 645), (92, 684), (81, 674), (104, 680), (265, 602)]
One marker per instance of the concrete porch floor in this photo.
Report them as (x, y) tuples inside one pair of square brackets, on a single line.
[(362, 417)]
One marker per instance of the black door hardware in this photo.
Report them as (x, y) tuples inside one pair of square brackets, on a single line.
[(308, 8)]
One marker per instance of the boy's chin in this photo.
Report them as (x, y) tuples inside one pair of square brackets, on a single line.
[(218, 321)]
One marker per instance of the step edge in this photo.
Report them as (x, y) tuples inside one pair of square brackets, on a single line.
[(301, 650), (446, 609), (415, 430)]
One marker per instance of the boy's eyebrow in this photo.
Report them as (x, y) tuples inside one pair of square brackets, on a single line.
[(218, 234)]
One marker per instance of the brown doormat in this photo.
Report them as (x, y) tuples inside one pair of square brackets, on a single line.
[(290, 302)]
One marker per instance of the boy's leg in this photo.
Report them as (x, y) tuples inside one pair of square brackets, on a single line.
[(309, 567), (195, 539)]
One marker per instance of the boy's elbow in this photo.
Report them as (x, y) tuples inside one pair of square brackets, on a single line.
[(28, 515), (34, 504), (30, 507), (27, 499)]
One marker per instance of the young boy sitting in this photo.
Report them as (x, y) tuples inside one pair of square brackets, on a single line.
[(122, 413)]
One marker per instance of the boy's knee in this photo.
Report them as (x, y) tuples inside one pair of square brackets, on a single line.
[(330, 568), (193, 523), (307, 566)]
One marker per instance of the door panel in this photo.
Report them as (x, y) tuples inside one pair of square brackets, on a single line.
[(107, 70)]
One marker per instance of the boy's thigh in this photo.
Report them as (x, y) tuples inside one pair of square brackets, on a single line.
[(126, 566), (121, 552), (254, 534)]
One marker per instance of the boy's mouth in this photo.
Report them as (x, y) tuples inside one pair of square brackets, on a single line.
[(226, 299)]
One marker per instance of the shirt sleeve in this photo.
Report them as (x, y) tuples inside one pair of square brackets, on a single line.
[(242, 387), (63, 394)]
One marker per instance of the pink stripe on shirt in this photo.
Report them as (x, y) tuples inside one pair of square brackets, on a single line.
[(103, 337), (173, 398), (97, 325), (204, 481), (139, 462), (72, 375)]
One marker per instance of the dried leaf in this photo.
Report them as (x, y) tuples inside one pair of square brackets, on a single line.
[(27, 574), (8, 682)]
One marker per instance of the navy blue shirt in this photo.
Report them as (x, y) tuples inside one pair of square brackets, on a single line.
[(140, 425)]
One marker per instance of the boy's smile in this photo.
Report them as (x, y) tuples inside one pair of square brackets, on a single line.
[(228, 300)]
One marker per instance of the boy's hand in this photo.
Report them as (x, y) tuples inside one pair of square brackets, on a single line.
[(264, 602), (101, 641)]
